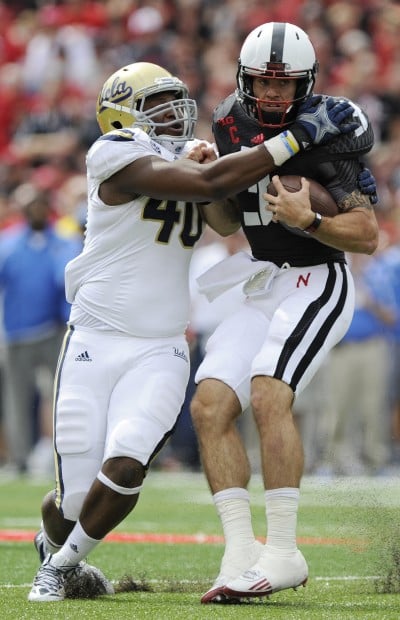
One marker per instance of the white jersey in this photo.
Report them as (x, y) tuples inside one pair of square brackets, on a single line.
[(132, 275)]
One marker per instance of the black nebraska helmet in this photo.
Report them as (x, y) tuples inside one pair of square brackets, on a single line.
[(280, 51)]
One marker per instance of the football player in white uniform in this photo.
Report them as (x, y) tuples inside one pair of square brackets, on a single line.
[(298, 306), (124, 364)]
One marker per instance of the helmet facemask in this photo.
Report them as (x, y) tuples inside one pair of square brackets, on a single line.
[(286, 109), (184, 112)]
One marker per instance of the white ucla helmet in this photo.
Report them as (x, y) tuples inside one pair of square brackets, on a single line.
[(280, 51), (122, 99)]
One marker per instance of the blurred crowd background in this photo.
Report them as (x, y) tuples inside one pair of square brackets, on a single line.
[(54, 57)]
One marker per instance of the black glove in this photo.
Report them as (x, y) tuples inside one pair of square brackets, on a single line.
[(320, 119), (367, 184)]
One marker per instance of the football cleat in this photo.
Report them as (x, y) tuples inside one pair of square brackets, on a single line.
[(270, 574), (86, 581), (216, 594), (49, 583)]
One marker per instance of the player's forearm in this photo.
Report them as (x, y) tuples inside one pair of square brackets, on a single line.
[(223, 217), (355, 231), (189, 180), (238, 171)]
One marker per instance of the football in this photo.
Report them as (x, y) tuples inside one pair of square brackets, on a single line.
[(321, 200)]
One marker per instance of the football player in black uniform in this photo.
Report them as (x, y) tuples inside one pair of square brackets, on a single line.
[(300, 299)]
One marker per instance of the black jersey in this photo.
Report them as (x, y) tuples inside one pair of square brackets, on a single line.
[(335, 166)]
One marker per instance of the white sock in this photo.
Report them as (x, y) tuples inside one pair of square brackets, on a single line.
[(77, 546), (281, 509), (233, 507)]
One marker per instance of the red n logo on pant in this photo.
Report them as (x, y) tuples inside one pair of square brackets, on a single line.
[(303, 280)]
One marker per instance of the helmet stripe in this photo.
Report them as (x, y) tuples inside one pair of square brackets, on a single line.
[(277, 42)]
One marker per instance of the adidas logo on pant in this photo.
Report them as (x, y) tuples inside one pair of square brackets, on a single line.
[(83, 357)]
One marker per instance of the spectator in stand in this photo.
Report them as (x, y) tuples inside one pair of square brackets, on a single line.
[(391, 261), (10, 103), (314, 416), (359, 368), (32, 261), (47, 131)]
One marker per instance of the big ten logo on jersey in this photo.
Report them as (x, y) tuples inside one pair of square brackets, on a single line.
[(170, 214), (229, 122)]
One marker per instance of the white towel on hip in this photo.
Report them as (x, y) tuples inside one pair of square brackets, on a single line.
[(240, 267)]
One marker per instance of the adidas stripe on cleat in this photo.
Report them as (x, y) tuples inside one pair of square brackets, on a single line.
[(271, 574)]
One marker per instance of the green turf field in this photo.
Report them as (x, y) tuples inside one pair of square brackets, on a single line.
[(349, 531)]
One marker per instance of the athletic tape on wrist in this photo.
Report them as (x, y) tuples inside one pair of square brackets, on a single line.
[(282, 147), (115, 487)]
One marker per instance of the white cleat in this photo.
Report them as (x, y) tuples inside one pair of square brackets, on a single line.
[(54, 583), (216, 594), (85, 581), (49, 583), (270, 574)]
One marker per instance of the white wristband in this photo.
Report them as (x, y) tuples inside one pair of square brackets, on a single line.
[(282, 147)]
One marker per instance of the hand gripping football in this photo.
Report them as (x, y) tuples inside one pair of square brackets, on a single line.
[(321, 200)]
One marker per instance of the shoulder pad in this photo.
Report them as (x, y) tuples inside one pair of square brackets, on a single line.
[(354, 144), (120, 135), (117, 149), (224, 107), (324, 97)]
